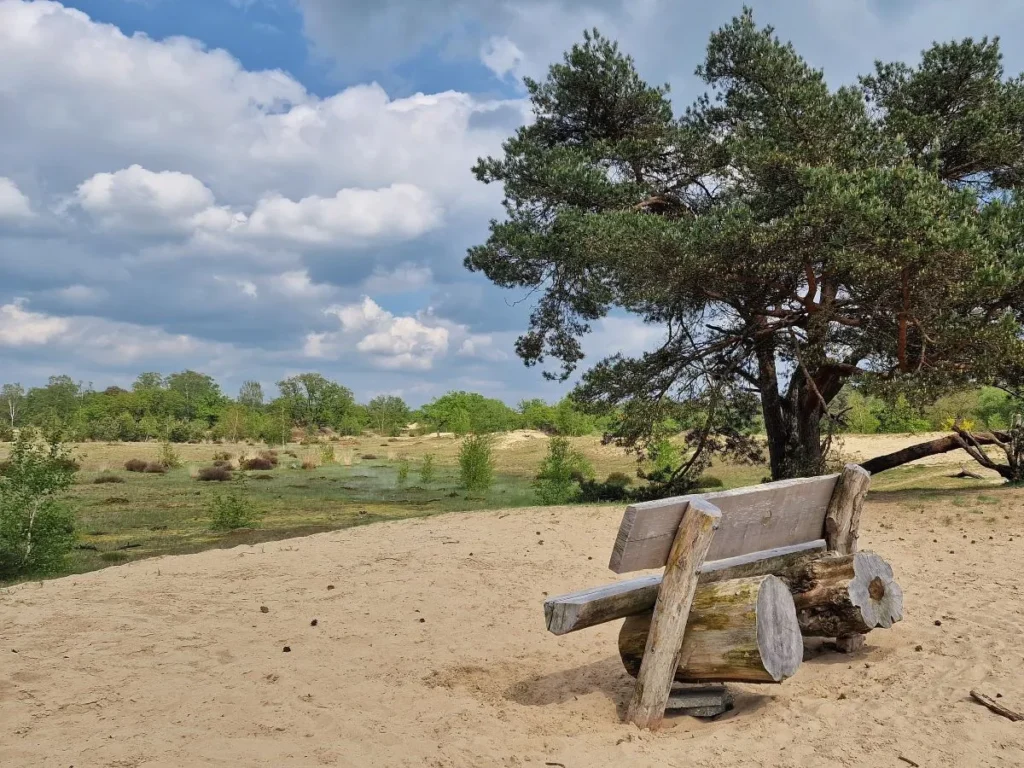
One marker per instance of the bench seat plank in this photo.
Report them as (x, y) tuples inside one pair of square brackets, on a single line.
[(597, 605)]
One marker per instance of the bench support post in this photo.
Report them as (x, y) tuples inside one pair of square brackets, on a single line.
[(671, 610), (842, 520)]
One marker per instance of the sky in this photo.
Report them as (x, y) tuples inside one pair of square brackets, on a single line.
[(257, 188)]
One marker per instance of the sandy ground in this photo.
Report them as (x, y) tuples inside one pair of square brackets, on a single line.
[(430, 650)]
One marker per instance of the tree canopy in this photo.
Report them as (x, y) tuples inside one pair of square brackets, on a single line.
[(789, 238)]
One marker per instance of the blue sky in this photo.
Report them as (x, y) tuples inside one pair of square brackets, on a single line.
[(254, 188)]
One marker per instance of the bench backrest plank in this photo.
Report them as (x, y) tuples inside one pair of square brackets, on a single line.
[(759, 518)]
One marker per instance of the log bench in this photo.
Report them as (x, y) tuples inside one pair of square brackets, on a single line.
[(747, 574)]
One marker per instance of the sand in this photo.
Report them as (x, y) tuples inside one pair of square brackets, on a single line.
[(431, 651)]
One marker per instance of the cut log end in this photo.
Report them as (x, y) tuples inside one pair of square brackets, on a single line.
[(743, 630), (779, 641), (874, 591), (841, 595)]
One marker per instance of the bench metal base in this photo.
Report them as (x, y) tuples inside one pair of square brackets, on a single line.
[(700, 700)]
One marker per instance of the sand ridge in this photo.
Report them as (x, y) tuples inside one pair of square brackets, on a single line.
[(430, 650)]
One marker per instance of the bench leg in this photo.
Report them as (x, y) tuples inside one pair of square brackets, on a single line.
[(675, 596)]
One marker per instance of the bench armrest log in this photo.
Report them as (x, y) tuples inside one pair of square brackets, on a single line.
[(743, 630), (589, 607)]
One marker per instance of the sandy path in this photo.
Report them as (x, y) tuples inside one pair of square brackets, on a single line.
[(431, 651)]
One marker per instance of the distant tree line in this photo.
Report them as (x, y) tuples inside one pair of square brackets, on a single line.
[(190, 406)]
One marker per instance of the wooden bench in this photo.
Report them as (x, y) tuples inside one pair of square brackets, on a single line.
[(729, 544)]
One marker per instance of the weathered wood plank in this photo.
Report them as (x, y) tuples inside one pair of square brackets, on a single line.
[(753, 519), (668, 622), (842, 519), (597, 605)]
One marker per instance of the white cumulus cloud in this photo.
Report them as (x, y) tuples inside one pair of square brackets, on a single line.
[(13, 203)]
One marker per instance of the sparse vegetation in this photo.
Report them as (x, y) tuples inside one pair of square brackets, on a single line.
[(232, 511), (427, 472), (107, 477), (561, 472), (37, 530), (403, 472), (476, 463), (327, 454), (169, 457)]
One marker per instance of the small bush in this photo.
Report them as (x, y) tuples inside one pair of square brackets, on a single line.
[(476, 463), (403, 472), (293, 454), (561, 473), (223, 456), (106, 477), (270, 456), (136, 465), (427, 469), (327, 454), (155, 468), (309, 464), (233, 511), (618, 479), (369, 457), (36, 530), (214, 474), (257, 462), (114, 557), (221, 463), (168, 456)]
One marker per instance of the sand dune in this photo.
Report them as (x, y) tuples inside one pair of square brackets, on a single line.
[(430, 650)]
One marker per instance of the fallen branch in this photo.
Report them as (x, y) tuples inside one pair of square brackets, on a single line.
[(966, 474), (946, 444), (908, 761), (999, 709)]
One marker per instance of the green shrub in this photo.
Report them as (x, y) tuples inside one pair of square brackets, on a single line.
[(36, 530), (222, 456), (561, 472), (327, 454), (168, 456), (232, 511), (663, 456), (427, 469), (618, 479), (476, 463), (403, 472)]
